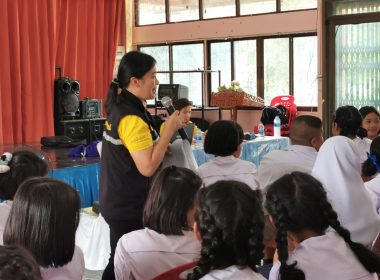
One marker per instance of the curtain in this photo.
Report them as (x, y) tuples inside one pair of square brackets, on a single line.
[(80, 36)]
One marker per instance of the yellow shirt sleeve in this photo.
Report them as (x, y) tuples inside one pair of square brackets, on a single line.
[(162, 128), (134, 133), (195, 128)]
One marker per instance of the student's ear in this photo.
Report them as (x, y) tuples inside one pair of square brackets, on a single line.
[(197, 233), (335, 129), (271, 219)]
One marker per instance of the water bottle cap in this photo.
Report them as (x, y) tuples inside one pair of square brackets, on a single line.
[(261, 123), (199, 129)]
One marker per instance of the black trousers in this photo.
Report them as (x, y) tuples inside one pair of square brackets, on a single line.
[(117, 229)]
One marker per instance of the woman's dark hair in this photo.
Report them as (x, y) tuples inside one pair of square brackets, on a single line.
[(133, 64), (17, 263), (44, 218), (349, 120), (24, 164), (223, 138), (298, 202), (181, 103), (368, 167), (172, 195), (364, 111), (230, 220)]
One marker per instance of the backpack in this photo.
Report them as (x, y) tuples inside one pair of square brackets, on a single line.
[(269, 113)]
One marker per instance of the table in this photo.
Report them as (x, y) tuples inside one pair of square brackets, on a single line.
[(253, 150)]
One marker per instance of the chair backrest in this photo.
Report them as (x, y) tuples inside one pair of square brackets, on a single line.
[(288, 102)]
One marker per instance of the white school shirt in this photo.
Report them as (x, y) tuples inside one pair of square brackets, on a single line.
[(364, 146), (145, 254), (338, 169), (231, 273), (326, 257), (276, 164), (373, 187), (228, 168), (5, 209), (74, 270)]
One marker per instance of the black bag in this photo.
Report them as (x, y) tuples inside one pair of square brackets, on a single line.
[(269, 113), (61, 142)]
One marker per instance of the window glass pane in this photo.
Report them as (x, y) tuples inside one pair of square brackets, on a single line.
[(220, 60), (218, 8), (305, 71), (353, 7), (357, 71), (189, 57), (276, 68), (245, 65), (161, 54), (183, 10), (290, 5), (151, 12), (248, 7)]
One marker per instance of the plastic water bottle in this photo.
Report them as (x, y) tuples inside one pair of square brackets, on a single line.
[(261, 132), (277, 127), (198, 139)]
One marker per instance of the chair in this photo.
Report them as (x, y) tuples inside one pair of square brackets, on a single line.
[(288, 102)]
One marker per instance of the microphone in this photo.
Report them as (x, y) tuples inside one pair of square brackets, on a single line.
[(167, 103)]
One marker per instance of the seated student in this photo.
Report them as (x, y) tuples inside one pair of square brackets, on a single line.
[(224, 139), (183, 105), (371, 121), (338, 168), (229, 222), (301, 212), (43, 219), (16, 263), (167, 240), (347, 121), (17, 167), (306, 135), (370, 168)]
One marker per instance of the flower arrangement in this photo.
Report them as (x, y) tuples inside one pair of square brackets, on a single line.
[(235, 85)]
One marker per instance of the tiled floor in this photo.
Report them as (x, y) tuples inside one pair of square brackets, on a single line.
[(92, 274)]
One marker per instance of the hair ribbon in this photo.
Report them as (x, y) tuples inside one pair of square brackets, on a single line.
[(115, 81), (4, 161), (374, 160)]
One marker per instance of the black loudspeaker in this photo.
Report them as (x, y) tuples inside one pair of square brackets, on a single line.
[(96, 128), (66, 98), (75, 129)]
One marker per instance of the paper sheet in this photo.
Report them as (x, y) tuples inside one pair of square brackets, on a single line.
[(182, 155)]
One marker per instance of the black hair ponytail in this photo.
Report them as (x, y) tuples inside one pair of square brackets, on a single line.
[(349, 120), (369, 168), (133, 64)]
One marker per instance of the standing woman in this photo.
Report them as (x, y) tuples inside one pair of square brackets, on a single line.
[(132, 149)]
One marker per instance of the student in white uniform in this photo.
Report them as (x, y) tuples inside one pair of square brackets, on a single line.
[(229, 222), (167, 241), (306, 135), (301, 212), (338, 168), (371, 121), (370, 168), (43, 219), (347, 121), (15, 168), (224, 139)]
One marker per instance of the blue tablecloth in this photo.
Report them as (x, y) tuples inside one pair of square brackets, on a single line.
[(86, 178), (253, 151)]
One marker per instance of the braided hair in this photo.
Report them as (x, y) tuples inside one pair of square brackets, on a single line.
[(298, 202), (349, 120), (230, 221), (369, 168)]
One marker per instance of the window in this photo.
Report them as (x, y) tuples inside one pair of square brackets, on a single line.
[(280, 73), (189, 57), (150, 12), (249, 7), (183, 10), (161, 54), (352, 7), (276, 68), (154, 11)]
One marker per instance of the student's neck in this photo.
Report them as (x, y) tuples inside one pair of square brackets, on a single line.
[(295, 142)]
